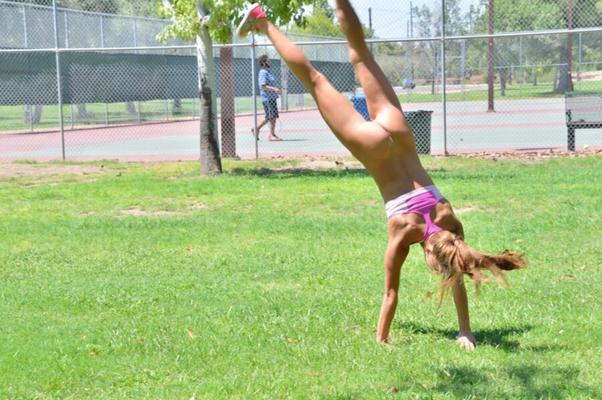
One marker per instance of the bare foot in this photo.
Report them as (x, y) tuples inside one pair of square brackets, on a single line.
[(386, 344), (466, 341), (275, 139)]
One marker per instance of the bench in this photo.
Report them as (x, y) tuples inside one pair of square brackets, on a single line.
[(583, 111)]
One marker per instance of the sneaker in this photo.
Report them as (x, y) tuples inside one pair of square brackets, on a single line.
[(249, 22)]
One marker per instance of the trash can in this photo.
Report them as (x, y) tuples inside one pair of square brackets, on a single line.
[(419, 121)]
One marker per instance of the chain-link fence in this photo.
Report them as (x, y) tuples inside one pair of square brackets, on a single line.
[(90, 84)]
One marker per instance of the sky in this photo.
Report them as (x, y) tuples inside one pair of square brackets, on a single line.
[(390, 18)]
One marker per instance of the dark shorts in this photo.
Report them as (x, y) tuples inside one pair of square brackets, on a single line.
[(271, 109)]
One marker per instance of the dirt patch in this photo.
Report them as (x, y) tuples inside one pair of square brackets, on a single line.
[(328, 164), (534, 155), (139, 212), (197, 206), (318, 164), (8, 170), (465, 210)]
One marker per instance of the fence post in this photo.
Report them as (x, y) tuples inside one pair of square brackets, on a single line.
[(580, 56), (135, 33), (443, 76), (254, 99), (25, 36), (102, 32), (59, 84), (463, 68), (284, 85), (66, 18)]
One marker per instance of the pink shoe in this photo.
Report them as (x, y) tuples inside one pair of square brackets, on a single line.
[(249, 22)]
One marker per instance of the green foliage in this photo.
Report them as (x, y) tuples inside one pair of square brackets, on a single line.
[(148, 8), (319, 23), (322, 22), (522, 15), (225, 16)]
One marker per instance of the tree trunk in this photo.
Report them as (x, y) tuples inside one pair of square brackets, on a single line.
[(177, 107), (227, 95), (82, 112), (211, 163), (33, 114), (565, 81), (434, 72), (130, 107), (503, 80)]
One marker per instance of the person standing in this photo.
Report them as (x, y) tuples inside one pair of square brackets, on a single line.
[(269, 91)]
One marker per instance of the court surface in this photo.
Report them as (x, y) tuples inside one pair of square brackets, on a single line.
[(517, 125)]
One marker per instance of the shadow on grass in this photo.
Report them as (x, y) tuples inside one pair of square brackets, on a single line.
[(298, 172), (524, 381), (498, 338)]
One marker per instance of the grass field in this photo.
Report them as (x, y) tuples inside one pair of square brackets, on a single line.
[(144, 281)]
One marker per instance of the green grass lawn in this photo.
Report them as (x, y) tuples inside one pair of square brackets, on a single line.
[(12, 118), (144, 281)]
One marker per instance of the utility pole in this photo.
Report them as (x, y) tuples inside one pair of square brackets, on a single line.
[(491, 59), (411, 20)]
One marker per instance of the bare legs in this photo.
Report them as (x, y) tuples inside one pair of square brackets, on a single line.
[(336, 110), (272, 123), (383, 104)]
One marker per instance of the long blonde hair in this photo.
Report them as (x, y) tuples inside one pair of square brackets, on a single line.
[(448, 254)]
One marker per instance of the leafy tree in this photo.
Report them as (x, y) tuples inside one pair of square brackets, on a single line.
[(217, 17), (322, 22), (327, 9), (529, 15), (319, 23), (574, 14)]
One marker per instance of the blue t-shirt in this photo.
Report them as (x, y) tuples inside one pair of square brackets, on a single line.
[(267, 78)]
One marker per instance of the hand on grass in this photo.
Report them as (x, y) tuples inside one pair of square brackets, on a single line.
[(387, 345), (466, 341)]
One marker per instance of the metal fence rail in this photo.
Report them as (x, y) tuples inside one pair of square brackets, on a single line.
[(95, 85)]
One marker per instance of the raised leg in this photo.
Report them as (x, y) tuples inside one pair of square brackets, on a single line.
[(338, 112), (383, 104)]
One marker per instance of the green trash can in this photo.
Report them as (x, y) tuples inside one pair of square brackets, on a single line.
[(420, 123)]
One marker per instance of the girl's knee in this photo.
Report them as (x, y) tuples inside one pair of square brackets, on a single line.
[(317, 78)]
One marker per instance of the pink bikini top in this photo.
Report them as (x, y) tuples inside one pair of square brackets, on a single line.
[(419, 201)]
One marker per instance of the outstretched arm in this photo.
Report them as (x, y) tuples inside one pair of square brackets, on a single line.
[(465, 337), (394, 257)]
